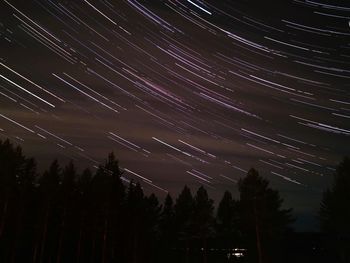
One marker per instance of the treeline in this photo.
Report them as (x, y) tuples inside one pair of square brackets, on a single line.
[(65, 216)]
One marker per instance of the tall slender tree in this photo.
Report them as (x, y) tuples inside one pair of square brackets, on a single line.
[(151, 227), (49, 185), (25, 209), (107, 193), (227, 221), (183, 219), (263, 220), (335, 211), (67, 200), (12, 163), (17, 174), (84, 219), (135, 202), (202, 218), (167, 229)]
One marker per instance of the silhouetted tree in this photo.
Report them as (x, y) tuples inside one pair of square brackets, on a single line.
[(84, 220), (107, 194), (335, 210), (202, 218), (114, 232), (67, 214), (135, 202), (167, 229), (183, 218), (12, 163), (26, 210), (17, 175), (63, 216), (227, 220), (46, 246), (262, 219), (151, 227)]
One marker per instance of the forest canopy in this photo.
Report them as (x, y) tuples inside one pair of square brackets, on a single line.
[(62, 215)]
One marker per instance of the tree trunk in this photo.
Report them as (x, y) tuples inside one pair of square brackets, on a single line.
[(43, 242), (204, 250), (60, 241), (105, 229), (258, 240), (79, 242), (35, 252), (187, 251), (93, 248), (135, 247), (17, 228), (4, 212)]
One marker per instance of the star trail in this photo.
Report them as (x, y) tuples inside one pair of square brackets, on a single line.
[(184, 92)]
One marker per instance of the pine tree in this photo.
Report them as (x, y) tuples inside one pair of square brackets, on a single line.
[(167, 220), (227, 220), (151, 227), (84, 218), (67, 212), (262, 219), (167, 229), (17, 175), (183, 218), (135, 212), (335, 210), (47, 240), (107, 194), (202, 218)]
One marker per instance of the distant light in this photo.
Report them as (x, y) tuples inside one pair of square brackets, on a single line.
[(237, 255)]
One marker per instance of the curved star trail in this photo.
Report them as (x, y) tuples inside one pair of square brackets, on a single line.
[(185, 92)]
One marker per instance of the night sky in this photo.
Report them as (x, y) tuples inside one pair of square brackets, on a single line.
[(184, 92)]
